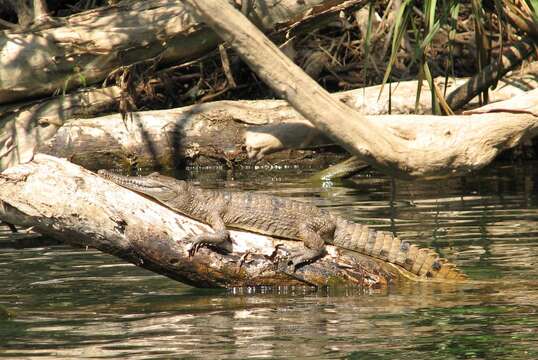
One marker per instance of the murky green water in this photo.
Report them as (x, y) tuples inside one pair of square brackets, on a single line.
[(72, 303)]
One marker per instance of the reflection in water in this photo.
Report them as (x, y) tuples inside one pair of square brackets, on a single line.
[(75, 303)]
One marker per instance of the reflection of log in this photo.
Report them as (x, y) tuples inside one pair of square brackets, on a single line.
[(226, 132), (67, 202), (401, 154)]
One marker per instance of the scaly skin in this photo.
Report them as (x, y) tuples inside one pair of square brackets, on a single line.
[(284, 218)]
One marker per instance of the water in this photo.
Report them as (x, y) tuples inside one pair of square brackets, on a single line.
[(78, 303)]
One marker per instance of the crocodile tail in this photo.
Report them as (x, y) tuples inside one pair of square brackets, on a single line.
[(422, 262)]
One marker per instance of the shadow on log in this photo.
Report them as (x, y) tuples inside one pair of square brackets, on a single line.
[(231, 132), (67, 202)]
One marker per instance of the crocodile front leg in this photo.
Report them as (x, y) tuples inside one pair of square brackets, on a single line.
[(217, 239)]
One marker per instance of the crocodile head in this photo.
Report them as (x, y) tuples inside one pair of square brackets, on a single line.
[(162, 188)]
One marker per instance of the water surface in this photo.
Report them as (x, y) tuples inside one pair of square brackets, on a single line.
[(78, 303)]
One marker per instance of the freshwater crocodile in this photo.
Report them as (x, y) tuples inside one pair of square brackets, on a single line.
[(283, 218)]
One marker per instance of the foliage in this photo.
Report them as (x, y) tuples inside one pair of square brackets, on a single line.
[(417, 27)]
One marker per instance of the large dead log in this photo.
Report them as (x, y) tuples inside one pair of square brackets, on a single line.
[(67, 202), (397, 154), (210, 134), (231, 132), (24, 127), (82, 49)]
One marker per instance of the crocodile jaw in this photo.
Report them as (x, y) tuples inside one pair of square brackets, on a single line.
[(143, 185)]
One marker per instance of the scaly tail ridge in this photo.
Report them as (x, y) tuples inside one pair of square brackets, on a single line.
[(422, 262)]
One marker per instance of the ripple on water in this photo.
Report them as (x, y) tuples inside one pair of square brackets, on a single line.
[(77, 303)]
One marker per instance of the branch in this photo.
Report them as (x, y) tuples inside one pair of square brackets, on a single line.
[(511, 57)]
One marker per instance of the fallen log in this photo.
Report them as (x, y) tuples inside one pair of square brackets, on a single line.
[(207, 135), (395, 99), (67, 202), (25, 126), (398, 155), (67, 52), (229, 133)]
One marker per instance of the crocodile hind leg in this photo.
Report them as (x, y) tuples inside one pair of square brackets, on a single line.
[(314, 247), (217, 239)]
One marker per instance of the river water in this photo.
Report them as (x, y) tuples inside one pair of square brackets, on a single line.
[(78, 303)]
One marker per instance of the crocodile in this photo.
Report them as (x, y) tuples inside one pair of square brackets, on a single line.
[(283, 218)]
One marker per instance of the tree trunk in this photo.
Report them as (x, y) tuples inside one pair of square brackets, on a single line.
[(67, 202)]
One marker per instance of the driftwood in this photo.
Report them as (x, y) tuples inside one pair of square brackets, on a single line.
[(67, 202), (25, 126), (229, 132), (207, 135), (65, 53), (397, 154)]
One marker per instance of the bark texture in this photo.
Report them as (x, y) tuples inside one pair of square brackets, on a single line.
[(67, 202)]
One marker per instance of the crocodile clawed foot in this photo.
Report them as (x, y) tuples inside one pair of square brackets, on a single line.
[(195, 246), (300, 258), (208, 240)]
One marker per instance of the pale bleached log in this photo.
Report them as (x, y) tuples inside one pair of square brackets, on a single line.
[(29, 125), (67, 202), (400, 153), (208, 134), (231, 131), (26, 126), (85, 48), (375, 100)]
